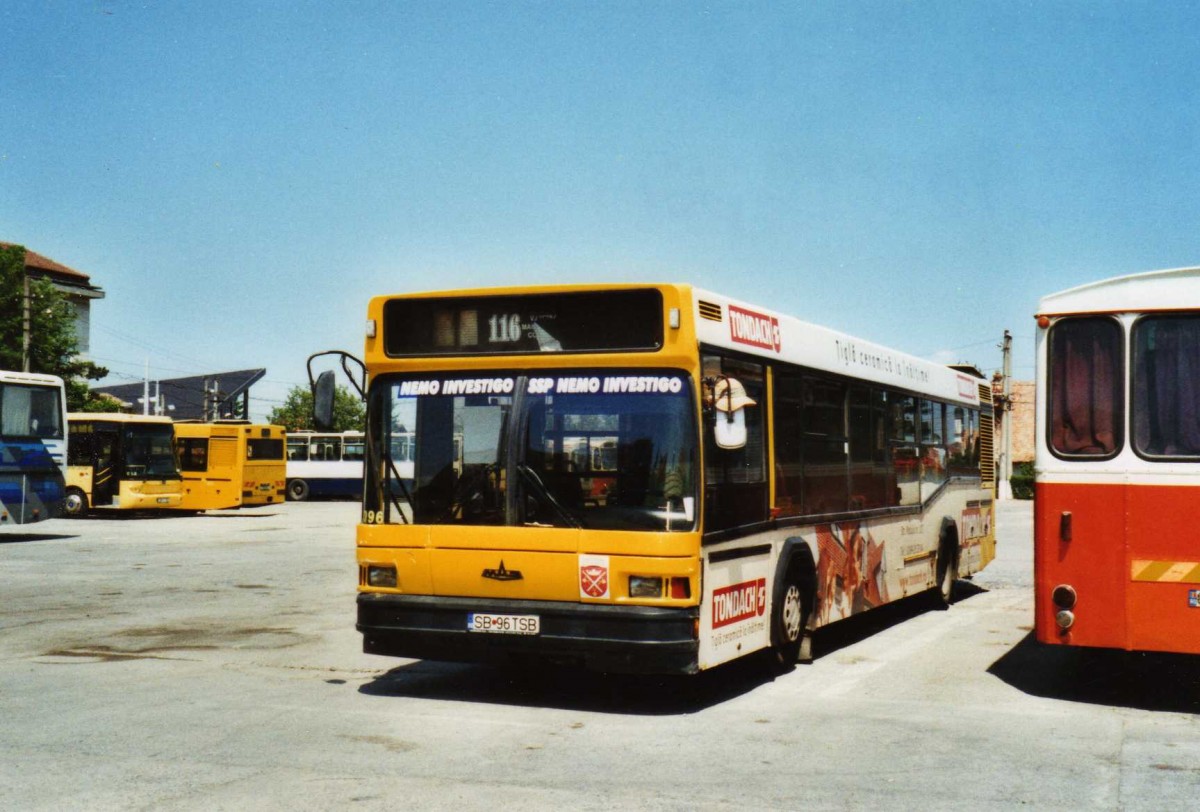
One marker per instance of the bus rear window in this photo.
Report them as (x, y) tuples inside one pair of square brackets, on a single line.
[(1166, 387), (267, 449), (1085, 383)]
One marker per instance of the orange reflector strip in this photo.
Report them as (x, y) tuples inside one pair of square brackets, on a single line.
[(1170, 572)]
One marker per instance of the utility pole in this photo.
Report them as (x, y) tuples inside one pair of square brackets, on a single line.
[(25, 320), (1006, 406), (146, 390), (212, 401)]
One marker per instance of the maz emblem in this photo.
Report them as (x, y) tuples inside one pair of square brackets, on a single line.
[(502, 574)]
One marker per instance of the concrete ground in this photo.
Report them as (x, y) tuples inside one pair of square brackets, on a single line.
[(211, 662)]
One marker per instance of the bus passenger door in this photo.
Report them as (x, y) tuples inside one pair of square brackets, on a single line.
[(105, 479)]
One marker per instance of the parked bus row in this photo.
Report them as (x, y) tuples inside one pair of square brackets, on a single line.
[(659, 478), (139, 462)]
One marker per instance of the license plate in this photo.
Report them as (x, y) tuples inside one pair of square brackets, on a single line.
[(503, 624), (164, 500)]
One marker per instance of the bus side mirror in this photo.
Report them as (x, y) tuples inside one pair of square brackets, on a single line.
[(323, 391), (730, 402), (729, 430)]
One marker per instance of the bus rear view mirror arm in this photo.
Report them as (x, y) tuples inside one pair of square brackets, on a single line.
[(324, 386)]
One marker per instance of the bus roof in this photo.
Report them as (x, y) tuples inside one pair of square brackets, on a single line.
[(728, 323), (1172, 289), (31, 378), (720, 321), (117, 417)]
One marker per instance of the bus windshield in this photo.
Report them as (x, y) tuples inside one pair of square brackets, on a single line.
[(608, 450), (30, 411), (149, 452)]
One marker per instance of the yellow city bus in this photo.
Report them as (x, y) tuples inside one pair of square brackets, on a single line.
[(120, 462), (650, 478), (230, 464)]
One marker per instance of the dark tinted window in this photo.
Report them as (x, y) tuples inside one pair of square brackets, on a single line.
[(618, 320), (193, 453), (264, 449), (1166, 387), (1084, 379)]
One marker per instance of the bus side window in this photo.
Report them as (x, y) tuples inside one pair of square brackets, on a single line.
[(903, 444), (870, 477), (825, 444), (79, 447), (193, 454), (933, 451)]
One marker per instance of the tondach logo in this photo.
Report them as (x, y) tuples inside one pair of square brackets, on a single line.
[(754, 329)]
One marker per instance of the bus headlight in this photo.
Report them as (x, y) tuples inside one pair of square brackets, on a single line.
[(1065, 619), (647, 586), (382, 576), (641, 586)]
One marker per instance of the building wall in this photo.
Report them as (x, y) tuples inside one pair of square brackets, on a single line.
[(1022, 421), (1019, 419)]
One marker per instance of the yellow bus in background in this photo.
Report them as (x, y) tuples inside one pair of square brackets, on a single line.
[(650, 478), (121, 462), (230, 464)]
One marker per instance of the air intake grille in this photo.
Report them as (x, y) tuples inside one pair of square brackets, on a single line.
[(987, 452), (710, 311)]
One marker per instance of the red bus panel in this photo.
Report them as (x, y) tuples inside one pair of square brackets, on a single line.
[(1133, 559)]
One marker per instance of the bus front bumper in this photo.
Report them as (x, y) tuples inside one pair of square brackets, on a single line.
[(616, 639)]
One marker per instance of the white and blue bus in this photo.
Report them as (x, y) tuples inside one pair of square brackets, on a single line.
[(330, 464), (324, 464), (33, 446)]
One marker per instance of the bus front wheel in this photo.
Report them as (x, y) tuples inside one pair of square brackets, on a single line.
[(297, 490), (75, 505), (790, 635)]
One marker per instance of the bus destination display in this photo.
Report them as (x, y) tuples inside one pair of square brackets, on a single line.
[(596, 321)]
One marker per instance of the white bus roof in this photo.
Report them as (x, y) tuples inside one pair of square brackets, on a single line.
[(1173, 289), (728, 323), (31, 378)]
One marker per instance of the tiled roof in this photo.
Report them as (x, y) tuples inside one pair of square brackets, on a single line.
[(42, 263)]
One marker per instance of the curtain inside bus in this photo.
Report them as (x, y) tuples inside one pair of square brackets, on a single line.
[(1085, 387), (1166, 386)]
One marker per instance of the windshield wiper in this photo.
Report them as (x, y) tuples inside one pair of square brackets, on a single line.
[(391, 495), (535, 482)]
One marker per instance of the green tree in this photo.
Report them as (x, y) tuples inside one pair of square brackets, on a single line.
[(53, 346), (349, 412)]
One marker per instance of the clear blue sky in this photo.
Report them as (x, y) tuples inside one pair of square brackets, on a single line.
[(917, 174)]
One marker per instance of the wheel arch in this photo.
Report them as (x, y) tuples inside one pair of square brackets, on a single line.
[(795, 555)]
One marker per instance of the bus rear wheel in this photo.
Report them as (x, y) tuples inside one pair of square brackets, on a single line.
[(947, 570), (297, 490), (75, 504)]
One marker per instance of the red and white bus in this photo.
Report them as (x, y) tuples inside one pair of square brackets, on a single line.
[(1117, 558)]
